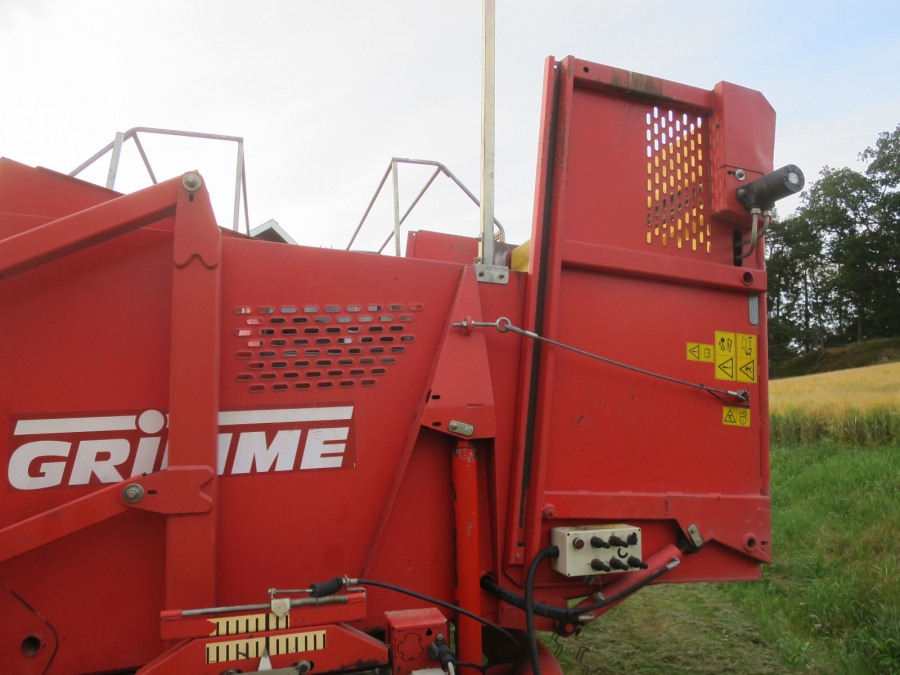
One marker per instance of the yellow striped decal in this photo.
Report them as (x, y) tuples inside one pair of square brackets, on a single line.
[(249, 623), (253, 648)]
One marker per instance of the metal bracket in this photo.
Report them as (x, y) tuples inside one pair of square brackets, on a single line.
[(461, 428), (492, 274), (694, 534)]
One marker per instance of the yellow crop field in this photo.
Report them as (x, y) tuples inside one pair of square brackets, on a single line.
[(859, 406), (839, 391)]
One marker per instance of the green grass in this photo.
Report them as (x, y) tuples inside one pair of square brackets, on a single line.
[(875, 426), (830, 603), (835, 581), (690, 629)]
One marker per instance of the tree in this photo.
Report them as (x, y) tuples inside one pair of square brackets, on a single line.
[(834, 265)]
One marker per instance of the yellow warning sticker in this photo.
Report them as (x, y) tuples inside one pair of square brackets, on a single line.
[(725, 344), (746, 358), (724, 367), (697, 351), (735, 417), (725, 354)]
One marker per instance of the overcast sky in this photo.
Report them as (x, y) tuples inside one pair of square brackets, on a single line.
[(324, 93)]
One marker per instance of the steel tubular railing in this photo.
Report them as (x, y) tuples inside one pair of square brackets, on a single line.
[(240, 183), (499, 235)]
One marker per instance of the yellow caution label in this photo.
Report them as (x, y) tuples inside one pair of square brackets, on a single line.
[(725, 355), (697, 351), (254, 647), (746, 358), (725, 344), (735, 417), (249, 623)]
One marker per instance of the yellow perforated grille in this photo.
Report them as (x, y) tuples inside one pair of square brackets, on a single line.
[(675, 181)]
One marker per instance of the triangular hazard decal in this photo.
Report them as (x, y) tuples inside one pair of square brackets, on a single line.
[(729, 417), (695, 351), (727, 367), (748, 369)]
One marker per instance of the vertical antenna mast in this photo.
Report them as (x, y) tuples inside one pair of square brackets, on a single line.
[(486, 245)]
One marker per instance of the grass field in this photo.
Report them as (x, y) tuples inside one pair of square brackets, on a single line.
[(861, 389), (860, 406), (830, 602)]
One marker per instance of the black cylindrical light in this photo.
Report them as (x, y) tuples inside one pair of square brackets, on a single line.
[(765, 191)]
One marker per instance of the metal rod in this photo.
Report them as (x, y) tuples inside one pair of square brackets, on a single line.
[(246, 207), (116, 147), (295, 602), (140, 148), (114, 160), (501, 232), (486, 243), (93, 158), (412, 206), (237, 186), (459, 184), (395, 178), (371, 203), (151, 130)]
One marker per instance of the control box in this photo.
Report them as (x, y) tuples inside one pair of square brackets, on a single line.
[(597, 549)]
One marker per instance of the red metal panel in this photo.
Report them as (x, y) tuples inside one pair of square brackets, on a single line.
[(426, 245), (636, 269), (410, 632)]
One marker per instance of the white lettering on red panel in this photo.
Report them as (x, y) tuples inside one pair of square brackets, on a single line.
[(63, 451)]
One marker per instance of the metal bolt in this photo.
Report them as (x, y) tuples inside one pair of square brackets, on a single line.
[(502, 276), (739, 174), (454, 426), (133, 493), (191, 182), (303, 667)]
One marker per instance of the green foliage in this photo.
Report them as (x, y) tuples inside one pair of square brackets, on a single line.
[(834, 585), (834, 265), (852, 427), (856, 355)]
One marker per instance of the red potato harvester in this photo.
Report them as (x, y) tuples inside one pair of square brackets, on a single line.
[(202, 429)]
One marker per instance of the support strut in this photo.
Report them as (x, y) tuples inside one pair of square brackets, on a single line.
[(468, 554)]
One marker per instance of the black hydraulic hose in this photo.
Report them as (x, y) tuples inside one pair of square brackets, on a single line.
[(549, 552), (560, 613), (506, 634), (516, 600)]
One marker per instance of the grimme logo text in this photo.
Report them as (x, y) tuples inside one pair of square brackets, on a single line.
[(62, 451)]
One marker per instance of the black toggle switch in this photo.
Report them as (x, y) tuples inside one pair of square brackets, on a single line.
[(633, 538), (615, 540), (637, 563), (617, 564), (600, 566), (597, 542)]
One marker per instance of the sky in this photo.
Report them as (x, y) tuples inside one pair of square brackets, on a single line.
[(325, 93)]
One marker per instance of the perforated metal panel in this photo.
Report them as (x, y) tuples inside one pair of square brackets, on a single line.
[(321, 346), (676, 166)]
